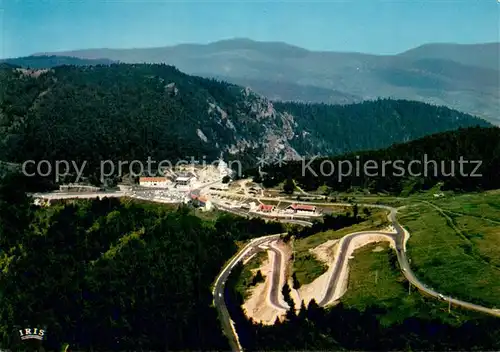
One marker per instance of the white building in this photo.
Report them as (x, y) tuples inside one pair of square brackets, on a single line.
[(301, 209), (185, 180), (224, 169), (205, 203), (75, 187), (160, 182), (208, 206)]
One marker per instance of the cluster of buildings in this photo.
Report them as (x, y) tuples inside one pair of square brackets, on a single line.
[(179, 180), (74, 187), (187, 176), (297, 209), (301, 209)]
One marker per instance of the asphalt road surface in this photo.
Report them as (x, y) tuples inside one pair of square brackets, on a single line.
[(83, 195), (220, 283), (275, 289), (399, 237), (333, 282)]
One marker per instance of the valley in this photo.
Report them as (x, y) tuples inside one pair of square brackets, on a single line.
[(249, 176), (462, 77), (382, 282)]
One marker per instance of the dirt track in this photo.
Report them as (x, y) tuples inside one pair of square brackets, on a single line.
[(326, 289)]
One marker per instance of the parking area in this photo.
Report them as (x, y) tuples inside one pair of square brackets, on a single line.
[(165, 195)]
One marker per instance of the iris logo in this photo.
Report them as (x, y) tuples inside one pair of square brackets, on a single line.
[(31, 334)]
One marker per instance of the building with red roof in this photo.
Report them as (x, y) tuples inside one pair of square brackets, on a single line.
[(154, 182), (266, 208), (302, 208)]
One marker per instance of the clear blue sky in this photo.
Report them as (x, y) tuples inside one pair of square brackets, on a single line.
[(373, 26)]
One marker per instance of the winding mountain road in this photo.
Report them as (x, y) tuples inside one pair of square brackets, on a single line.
[(277, 278), (340, 264), (218, 290), (399, 236)]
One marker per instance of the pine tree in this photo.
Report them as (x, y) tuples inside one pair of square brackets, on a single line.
[(296, 283), (314, 311), (366, 211), (257, 278), (303, 311), (289, 186)]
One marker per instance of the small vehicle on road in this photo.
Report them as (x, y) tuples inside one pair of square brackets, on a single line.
[(441, 296)]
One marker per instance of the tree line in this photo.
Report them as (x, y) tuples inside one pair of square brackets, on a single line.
[(328, 222), (371, 125)]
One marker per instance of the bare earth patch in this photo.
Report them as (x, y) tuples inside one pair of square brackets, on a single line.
[(256, 306), (356, 243), (325, 252)]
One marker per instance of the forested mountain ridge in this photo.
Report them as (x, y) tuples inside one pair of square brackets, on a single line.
[(339, 129), (45, 61), (437, 158), (133, 111), (136, 111), (481, 55)]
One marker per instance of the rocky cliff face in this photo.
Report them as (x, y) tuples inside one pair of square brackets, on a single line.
[(137, 111), (254, 127)]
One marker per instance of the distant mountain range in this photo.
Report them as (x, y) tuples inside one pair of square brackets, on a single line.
[(461, 76), (49, 61)]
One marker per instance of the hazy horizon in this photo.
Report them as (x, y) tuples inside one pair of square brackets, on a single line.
[(252, 40), (372, 27)]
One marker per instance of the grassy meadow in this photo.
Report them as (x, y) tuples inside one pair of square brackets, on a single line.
[(455, 245)]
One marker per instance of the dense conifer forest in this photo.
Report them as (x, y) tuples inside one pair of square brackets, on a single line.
[(438, 161), (113, 274)]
